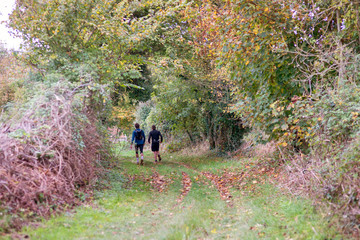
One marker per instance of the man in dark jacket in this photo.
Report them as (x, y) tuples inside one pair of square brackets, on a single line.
[(156, 139), (139, 137)]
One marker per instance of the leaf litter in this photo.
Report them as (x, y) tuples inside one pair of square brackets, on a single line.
[(186, 182)]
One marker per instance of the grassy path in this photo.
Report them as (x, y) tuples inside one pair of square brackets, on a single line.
[(186, 198)]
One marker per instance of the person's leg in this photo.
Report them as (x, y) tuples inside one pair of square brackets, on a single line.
[(153, 149), (142, 159), (158, 154), (155, 157), (137, 153), (142, 154)]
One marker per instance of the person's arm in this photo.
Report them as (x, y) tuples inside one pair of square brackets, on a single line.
[(161, 137), (149, 137)]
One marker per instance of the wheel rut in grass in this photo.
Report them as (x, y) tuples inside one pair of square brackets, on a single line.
[(221, 184), (186, 183), (159, 182)]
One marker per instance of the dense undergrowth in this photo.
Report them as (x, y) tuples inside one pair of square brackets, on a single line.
[(51, 146), (329, 181)]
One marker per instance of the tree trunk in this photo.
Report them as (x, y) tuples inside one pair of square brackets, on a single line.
[(190, 136)]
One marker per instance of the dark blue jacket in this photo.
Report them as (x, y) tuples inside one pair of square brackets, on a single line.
[(138, 142)]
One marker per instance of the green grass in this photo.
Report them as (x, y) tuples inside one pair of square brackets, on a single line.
[(135, 211)]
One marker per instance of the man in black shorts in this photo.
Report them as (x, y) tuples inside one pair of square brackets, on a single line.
[(139, 137), (156, 139)]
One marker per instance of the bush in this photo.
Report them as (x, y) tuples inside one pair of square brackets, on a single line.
[(49, 150), (11, 74), (326, 125), (324, 120)]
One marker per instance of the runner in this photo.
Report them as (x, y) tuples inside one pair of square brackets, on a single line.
[(139, 137), (156, 139)]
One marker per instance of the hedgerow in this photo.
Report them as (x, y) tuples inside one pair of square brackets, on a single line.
[(50, 151)]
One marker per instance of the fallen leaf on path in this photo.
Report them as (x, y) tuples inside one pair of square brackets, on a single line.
[(186, 182), (159, 182), (221, 185)]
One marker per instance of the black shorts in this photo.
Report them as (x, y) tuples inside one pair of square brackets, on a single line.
[(155, 146), (139, 146)]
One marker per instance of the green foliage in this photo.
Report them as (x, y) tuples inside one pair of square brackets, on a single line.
[(142, 116), (112, 37), (12, 74), (192, 99), (323, 120), (352, 152)]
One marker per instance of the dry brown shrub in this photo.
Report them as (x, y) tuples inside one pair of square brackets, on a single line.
[(329, 179), (260, 151), (333, 186), (198, 149), (46, 158)]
